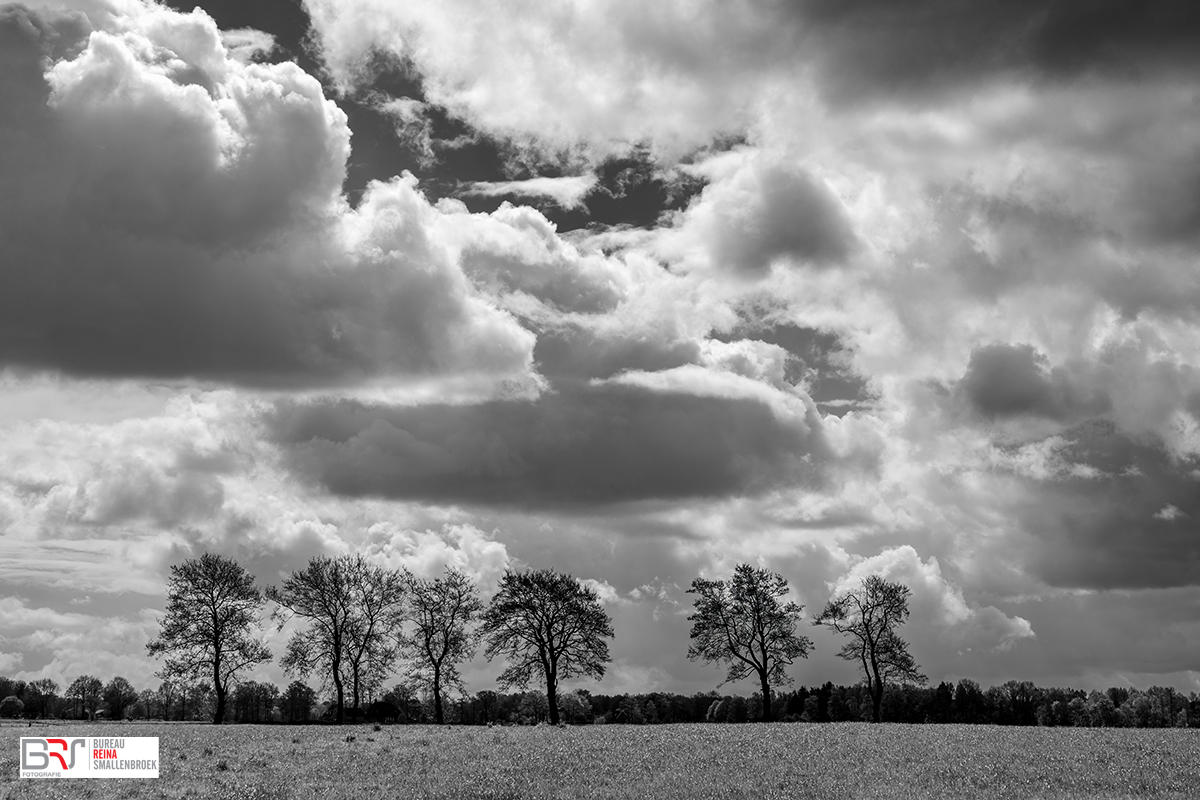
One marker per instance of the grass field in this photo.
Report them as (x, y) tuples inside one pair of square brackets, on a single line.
[(668, 761)]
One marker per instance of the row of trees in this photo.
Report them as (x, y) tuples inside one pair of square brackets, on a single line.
[(1013, 703), (353, 620), (90, 698)]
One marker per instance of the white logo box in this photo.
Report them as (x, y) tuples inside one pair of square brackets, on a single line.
[(89, 757)]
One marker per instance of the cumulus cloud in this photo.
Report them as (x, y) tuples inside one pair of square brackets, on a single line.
[(516, 251), (766, 211), (175, 212), (601, 72), (427, 554)]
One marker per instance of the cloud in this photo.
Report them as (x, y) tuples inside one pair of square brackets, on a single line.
[(610, 71), (875, 48), (1013, 380), (63, 646), (174, 212), (939, 604), (427, 554), (762, 212), (603, 589), (1169, 513), (578, 445), (1111, 527), (245, 44), (567, 192), (602, 72), (516, 253)]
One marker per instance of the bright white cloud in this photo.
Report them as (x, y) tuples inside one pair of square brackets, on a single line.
[(567, 192)]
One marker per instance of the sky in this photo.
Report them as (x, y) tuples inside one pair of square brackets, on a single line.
[(633, 291)]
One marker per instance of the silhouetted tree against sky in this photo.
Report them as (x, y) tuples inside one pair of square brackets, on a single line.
[(377, 598), (319, 594), (212, 607), (442, 611), (354, 610), (546, 623), (868, 617), (743, 623)]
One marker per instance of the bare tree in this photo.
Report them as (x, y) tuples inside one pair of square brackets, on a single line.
[(377, 600), (546, 623), (354, 611), (443, 611), (212, 607), (743, 623), (868, 616), (320, 595)]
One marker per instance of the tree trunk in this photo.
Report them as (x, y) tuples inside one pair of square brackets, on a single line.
[(438, 717), (341, 695), (766, 698), (219, 713), (876, 689), (552, 698), (219, 690)]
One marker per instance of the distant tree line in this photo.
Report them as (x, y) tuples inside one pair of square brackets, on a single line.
[(1012, 703), (355, 623)]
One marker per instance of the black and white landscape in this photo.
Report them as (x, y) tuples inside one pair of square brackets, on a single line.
[(632, 291)]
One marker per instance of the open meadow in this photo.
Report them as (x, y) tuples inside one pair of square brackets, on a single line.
[(665, 761)]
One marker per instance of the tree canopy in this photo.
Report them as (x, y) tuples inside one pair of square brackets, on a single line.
[(212, 607), (546, 623), (868, 617), (743, 623), (88, 691), (354, 610), (442, 612)]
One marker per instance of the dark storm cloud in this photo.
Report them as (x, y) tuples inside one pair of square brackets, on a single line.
[(583, 445), (578, 352), (1005, 380), (880, 47), (1129, 522)]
